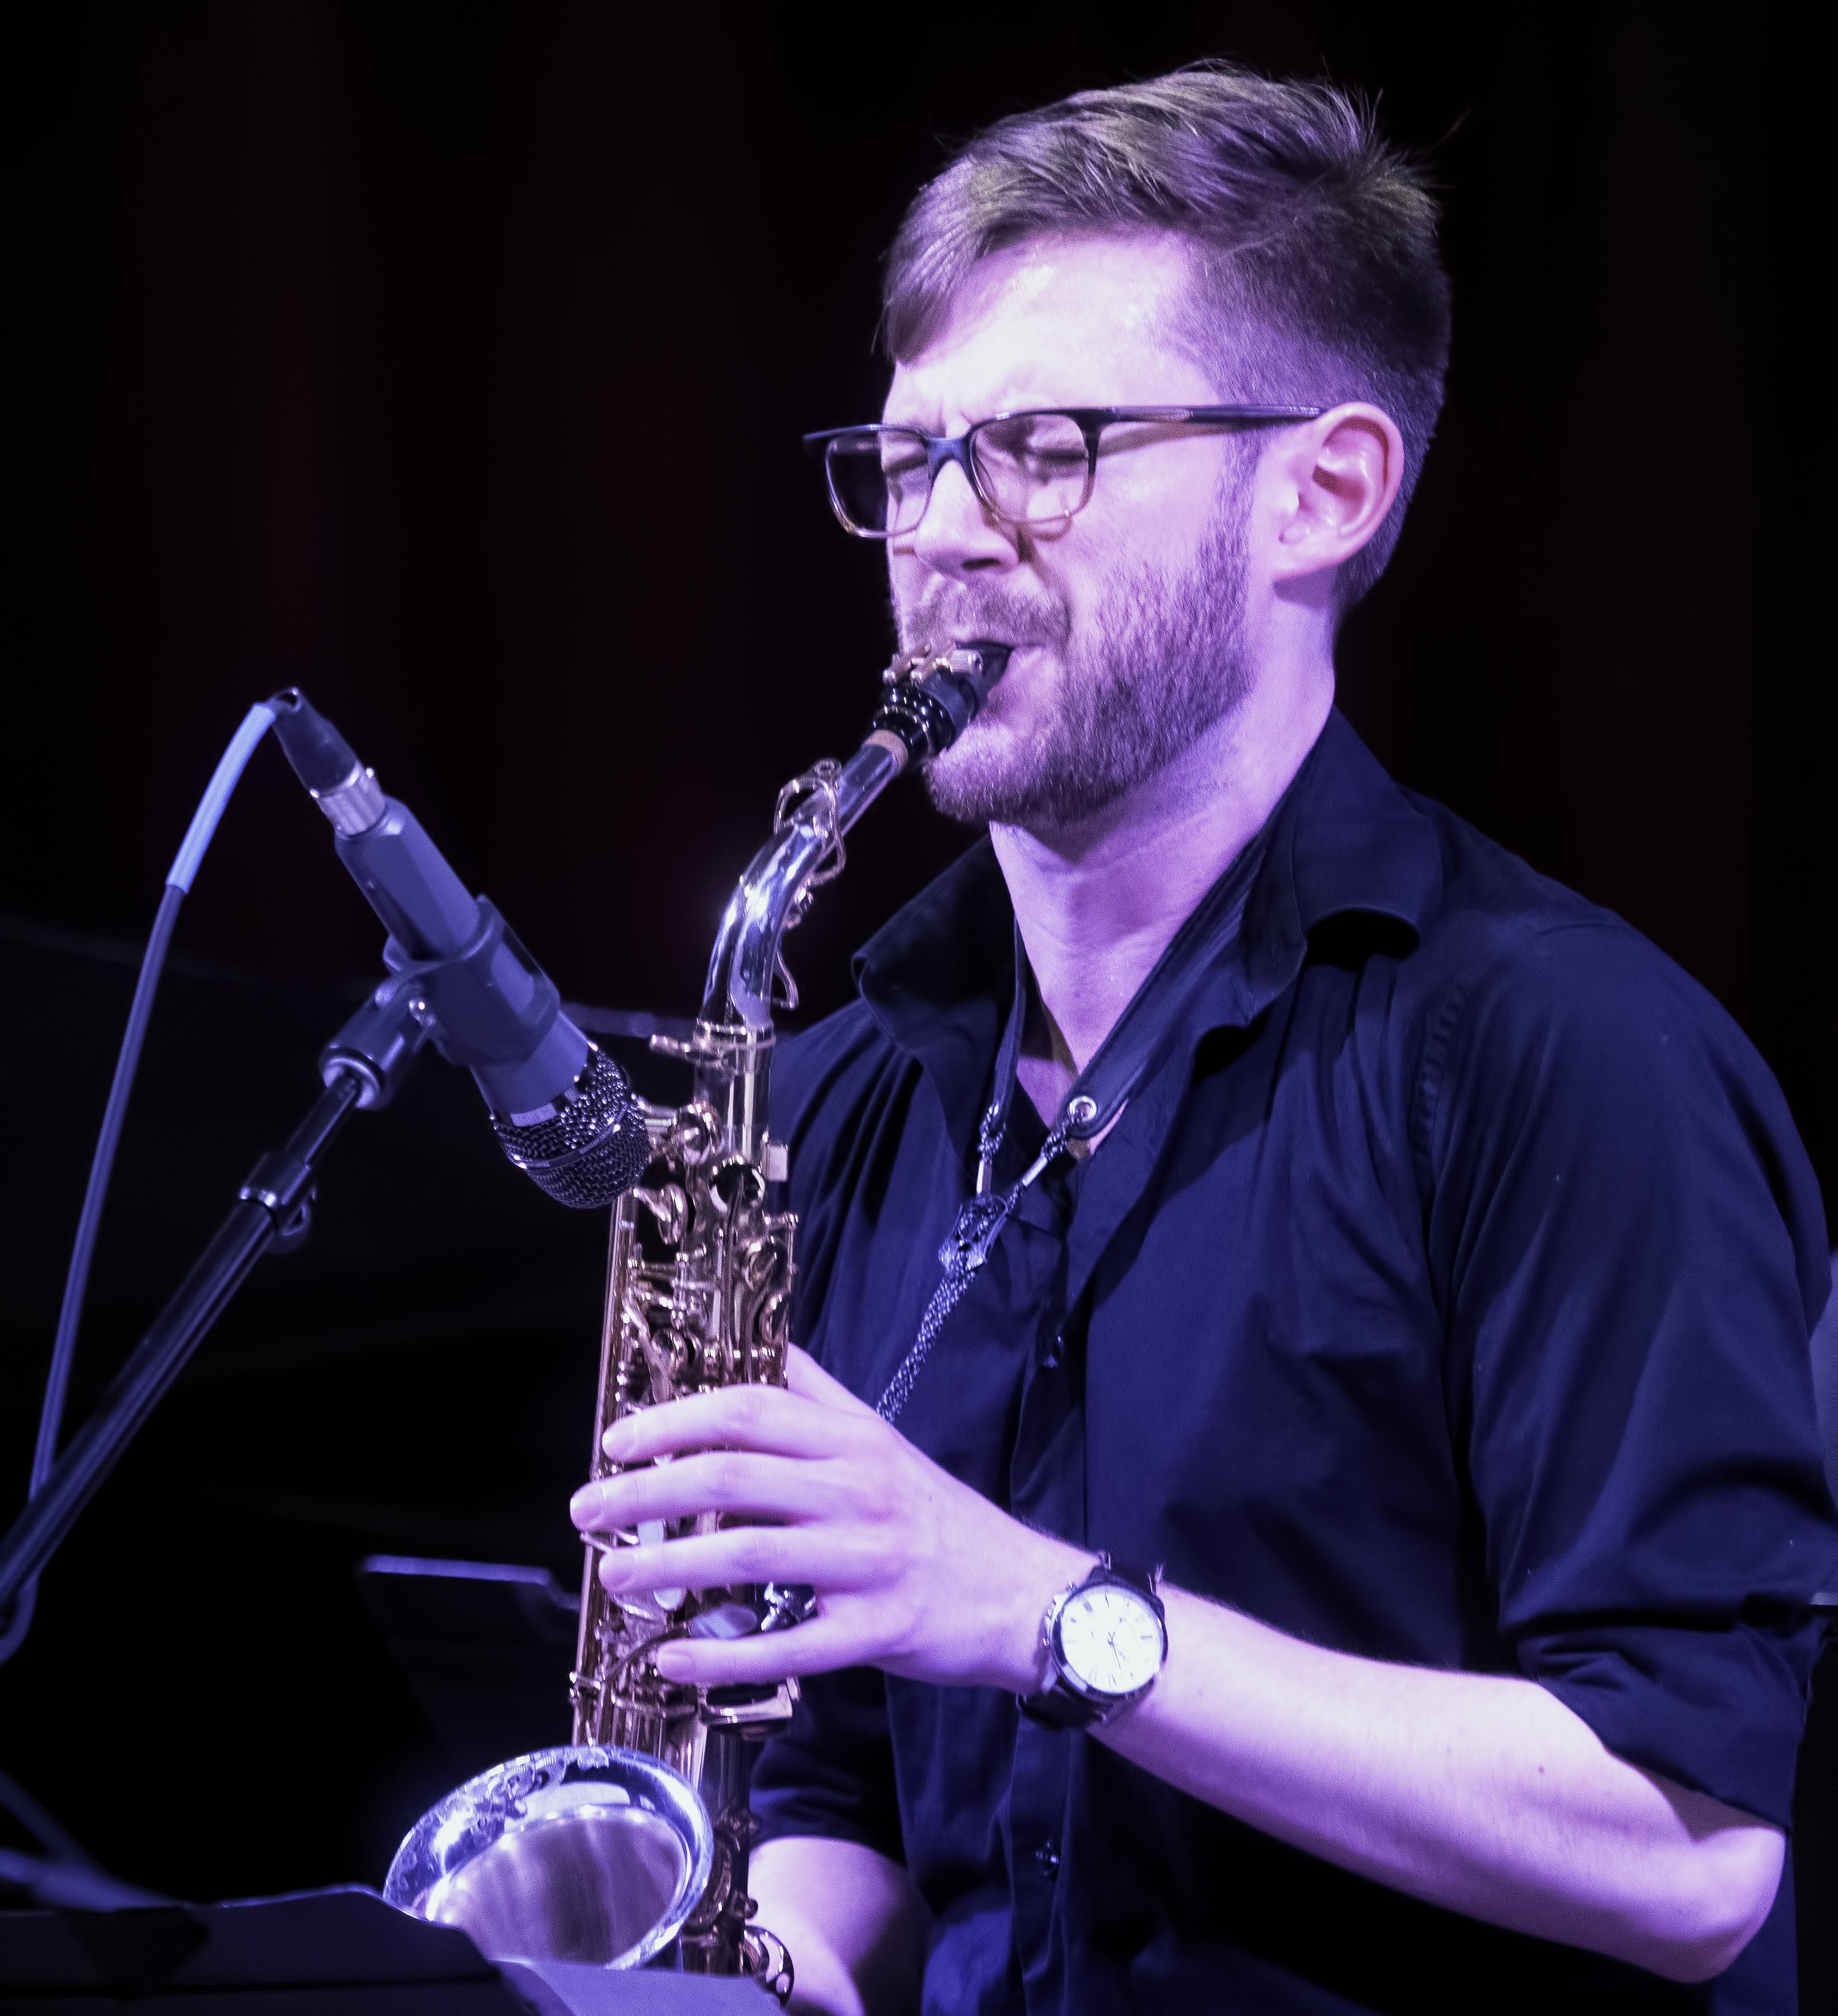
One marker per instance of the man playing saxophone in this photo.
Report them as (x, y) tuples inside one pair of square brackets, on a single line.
[(1304, 1440)]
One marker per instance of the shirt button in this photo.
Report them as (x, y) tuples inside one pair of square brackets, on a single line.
[(1048, 1855), (1051, 1362)]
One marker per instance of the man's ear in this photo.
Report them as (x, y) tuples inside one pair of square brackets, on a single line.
[(1338, 476)]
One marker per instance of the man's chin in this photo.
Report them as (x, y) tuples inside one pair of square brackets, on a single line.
[(976, 787), (973, 788)]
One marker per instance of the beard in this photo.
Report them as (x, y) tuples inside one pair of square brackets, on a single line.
[(1163, 660)]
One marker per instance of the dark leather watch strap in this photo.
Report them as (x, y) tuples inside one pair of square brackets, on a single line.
[(1147, 1580), (1056, 1707)]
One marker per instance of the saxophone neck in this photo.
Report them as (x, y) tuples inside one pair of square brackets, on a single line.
[(927, 702)]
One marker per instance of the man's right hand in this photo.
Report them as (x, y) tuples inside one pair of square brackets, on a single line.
[(915, 1573)]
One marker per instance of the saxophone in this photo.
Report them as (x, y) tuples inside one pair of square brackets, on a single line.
[(527, 1858)]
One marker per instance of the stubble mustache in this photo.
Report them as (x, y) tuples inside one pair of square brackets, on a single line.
[(958, 616)]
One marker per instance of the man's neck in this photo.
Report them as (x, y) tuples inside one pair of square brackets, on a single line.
[(1098, 903)]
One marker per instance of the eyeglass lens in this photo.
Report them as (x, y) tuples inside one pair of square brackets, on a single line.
[(1031, 468), (879, 481)]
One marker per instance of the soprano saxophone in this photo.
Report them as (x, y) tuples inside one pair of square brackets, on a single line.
[(528, 1858)]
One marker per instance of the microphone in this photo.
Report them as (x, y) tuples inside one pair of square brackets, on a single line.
[(562, 1110)]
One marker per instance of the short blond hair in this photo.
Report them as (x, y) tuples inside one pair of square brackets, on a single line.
[(1317, 275)]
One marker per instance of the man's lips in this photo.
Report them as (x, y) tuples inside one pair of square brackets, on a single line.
[(972, 640), (1019, 687)]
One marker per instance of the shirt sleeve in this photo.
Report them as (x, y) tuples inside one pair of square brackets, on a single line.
[(831, 1773), (1628, 1242)]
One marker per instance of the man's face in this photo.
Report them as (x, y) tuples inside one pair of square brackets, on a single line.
[(1128, 623)]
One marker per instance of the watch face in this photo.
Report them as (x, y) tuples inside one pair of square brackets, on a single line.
[(1110, 1640)]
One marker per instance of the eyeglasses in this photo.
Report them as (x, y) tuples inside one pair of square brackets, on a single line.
[(1028, 468)]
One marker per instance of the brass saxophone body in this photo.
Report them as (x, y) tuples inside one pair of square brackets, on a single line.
[(699, 1297)]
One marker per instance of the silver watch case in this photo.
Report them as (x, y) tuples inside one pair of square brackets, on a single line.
[(1064, 1679)]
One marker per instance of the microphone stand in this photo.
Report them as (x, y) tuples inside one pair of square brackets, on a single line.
[(362, 1066)]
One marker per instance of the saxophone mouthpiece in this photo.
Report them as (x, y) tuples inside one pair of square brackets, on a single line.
[(989, 662), (930, 698)]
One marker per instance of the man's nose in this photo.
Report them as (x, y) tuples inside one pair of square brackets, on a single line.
[(959, 533)]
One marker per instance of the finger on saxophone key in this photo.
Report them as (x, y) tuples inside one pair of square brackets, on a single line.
[(651, 1533)]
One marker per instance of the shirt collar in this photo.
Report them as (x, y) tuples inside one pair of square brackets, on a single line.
[(1356, 842), (939, 978)]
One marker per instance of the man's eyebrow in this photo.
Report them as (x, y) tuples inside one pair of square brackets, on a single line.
[(933, 425)]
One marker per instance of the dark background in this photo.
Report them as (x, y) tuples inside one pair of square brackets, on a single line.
[(403, 351)]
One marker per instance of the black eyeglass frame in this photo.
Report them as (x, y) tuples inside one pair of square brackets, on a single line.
[(1091, 421)]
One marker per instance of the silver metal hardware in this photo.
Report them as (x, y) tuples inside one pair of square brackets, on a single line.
[(354, 806), (912, 665)]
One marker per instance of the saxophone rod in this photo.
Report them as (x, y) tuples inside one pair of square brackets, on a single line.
[(927, 703)]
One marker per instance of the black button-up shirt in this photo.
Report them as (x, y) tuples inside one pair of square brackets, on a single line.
[(1441, 1297)]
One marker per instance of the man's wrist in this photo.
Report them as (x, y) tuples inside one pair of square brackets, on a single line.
[(1057, 1567)]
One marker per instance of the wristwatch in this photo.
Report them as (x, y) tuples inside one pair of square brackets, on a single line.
[(1106, 1639)]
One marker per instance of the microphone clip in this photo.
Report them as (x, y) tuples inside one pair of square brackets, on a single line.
[(488, 1003), (379, 1043)]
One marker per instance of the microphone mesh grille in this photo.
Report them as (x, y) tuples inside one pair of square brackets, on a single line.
[(594, 1146)]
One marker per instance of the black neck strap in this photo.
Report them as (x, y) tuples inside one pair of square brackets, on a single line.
[(1097, 1097), (1100, 1091)]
